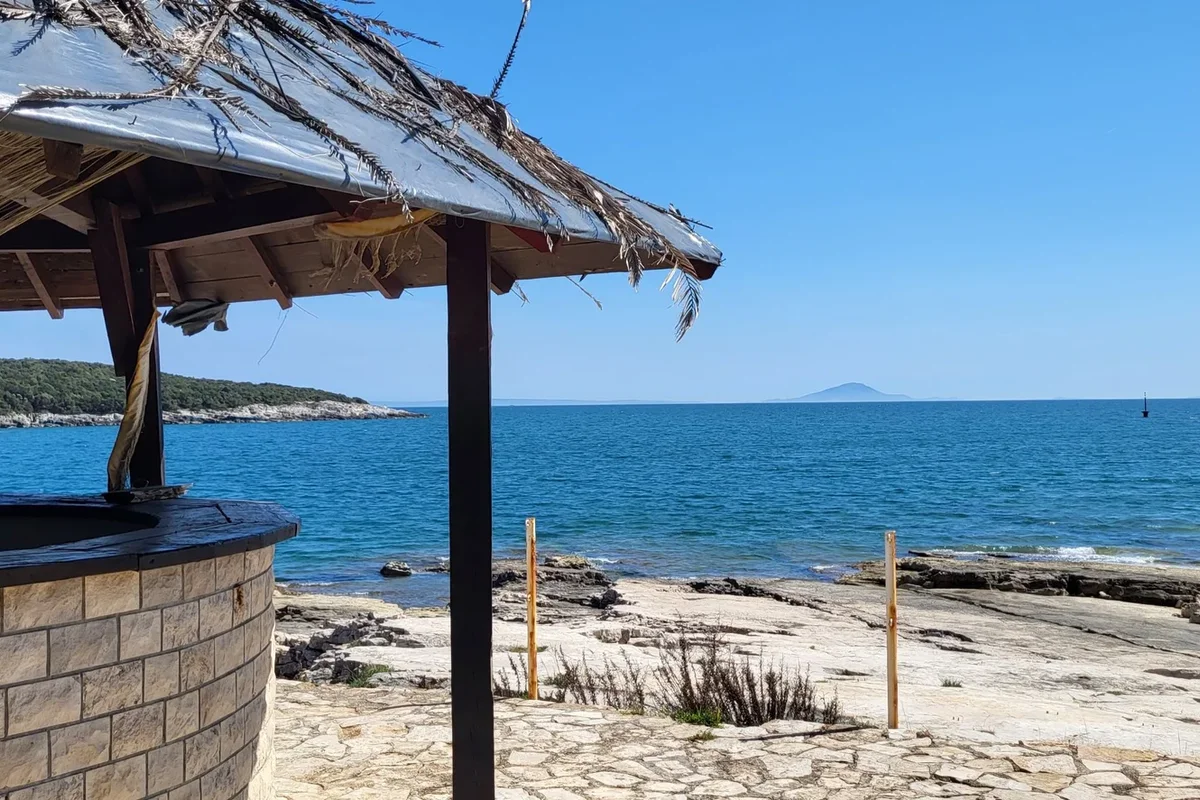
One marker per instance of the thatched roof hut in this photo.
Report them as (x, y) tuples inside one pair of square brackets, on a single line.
[(195, 153), (306, 111)]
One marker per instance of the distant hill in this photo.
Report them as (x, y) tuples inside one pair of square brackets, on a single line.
[(31, 385), (849, 393)]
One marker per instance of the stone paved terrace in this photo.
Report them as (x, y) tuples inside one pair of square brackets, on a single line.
[(338, 742)]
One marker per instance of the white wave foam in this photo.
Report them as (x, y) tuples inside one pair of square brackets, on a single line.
[(1085, 554)]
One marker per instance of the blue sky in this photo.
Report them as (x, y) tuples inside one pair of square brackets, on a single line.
[(940, 199)]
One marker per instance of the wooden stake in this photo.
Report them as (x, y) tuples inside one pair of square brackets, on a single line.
[(889, 542), (531, 602)]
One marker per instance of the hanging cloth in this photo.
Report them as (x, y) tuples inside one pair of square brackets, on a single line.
[(135, 413), (193, 316)]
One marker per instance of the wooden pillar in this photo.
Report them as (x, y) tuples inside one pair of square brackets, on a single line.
[(126, 285), (147, 467), (468, 299)]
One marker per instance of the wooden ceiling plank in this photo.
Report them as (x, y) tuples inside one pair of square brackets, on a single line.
[(270, 270), (31, 272)]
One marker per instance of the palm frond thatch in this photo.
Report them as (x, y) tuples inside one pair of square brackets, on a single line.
[(229, 52)]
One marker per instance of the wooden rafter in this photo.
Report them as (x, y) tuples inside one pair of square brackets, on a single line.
[(270, 270), (73, 213), (141, 192), (31, 271), (63, 159), (390, 285), (43, 236), (168, 268), (236, 218), (542, 242), (264, 259), (347, 206), (704, 269)]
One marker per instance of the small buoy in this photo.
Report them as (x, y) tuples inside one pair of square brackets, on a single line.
[(1145, 407)]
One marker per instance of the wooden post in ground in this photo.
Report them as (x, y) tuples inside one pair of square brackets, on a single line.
[(893, 686), (469, 382), (531, 602)]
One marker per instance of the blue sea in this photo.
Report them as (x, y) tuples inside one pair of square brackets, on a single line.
[(695, 490)]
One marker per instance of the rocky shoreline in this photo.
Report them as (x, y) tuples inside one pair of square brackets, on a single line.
[(322, 642), (1021, 656), (323, 410), (1149, 585)]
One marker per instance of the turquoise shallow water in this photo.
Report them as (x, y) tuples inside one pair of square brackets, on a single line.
[(791, 490)]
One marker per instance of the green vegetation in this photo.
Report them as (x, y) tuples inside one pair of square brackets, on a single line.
[(708, 717), (364, 675), (702, 736), (30, 385), (951, 683), (697, 681)]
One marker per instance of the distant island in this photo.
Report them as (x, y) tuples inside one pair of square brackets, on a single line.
[(53, 393), (849, 393)]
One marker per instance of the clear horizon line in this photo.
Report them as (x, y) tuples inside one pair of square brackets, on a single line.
[(567, 402)]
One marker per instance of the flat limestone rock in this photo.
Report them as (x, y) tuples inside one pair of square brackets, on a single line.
[(1098, 753), (1057, 765)]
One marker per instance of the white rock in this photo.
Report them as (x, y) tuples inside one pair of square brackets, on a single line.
[(719, 788)]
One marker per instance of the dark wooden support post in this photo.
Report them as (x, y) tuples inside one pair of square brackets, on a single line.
[(126, 285), (468, 297), (110, 261), (147, 467)]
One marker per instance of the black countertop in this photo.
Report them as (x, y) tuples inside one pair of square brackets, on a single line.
[(187, 530)]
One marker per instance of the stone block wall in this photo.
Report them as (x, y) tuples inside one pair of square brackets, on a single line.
[(130, 685)]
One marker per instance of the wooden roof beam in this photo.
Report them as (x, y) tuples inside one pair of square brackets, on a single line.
[(75, 213), (704, 269), (63, 159), (390, 286), (538, 240), (270, 270), (264, 258), (502, 280), (168, 268), (237, 218), (31, 272), (43, 236)]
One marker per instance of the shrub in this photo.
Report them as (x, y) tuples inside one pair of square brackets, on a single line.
[(698, 678), (696, 682), (363, 675)]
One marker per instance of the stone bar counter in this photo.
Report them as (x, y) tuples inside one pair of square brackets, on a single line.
[(136, 648)]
